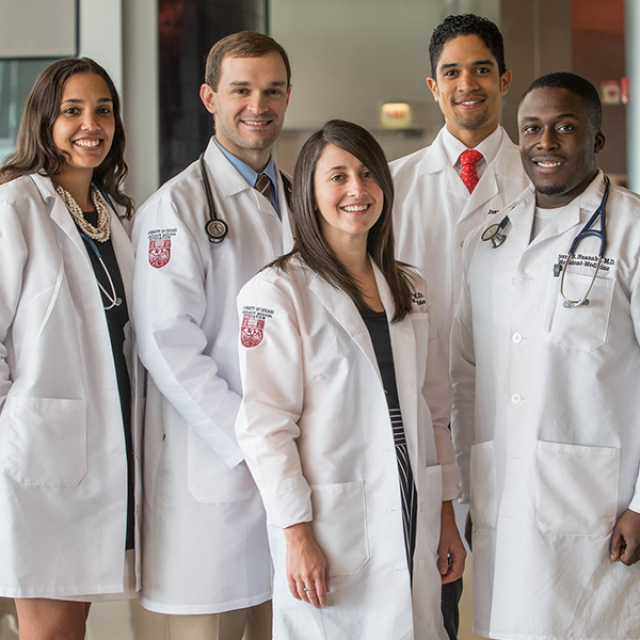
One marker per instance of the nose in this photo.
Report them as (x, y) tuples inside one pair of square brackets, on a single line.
[(547, 139), (89, 120), (257, 102), (467, 81), (357, 187)]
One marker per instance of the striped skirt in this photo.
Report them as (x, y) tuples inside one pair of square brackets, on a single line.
[(407, 487)]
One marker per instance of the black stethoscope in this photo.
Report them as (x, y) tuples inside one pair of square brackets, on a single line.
[(112, 297), (216, 228), (495, 233)]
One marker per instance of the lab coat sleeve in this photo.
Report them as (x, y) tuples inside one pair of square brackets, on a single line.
[(437, 392), (13, 259), (169, 307), (463, 378), (268, 421), (634, 505)]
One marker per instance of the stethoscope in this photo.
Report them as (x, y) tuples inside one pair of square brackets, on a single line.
[(216, 228), (496, 234), (113, 298)]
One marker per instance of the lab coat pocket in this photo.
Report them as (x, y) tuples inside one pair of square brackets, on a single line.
[(421, 329), (582, 328), (47, 440), (482, 483), (576, 489), (340, 525), (209, 479)]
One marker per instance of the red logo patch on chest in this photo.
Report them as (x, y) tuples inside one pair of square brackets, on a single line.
[(251, 332), (159, 253)]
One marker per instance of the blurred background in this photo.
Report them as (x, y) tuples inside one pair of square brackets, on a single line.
[(360, 60)]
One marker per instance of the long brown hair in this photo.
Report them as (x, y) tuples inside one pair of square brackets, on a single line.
[(311, 246), (35, 150)]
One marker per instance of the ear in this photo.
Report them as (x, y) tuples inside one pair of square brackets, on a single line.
[(288, 96), (433, 85), (208, 97), (599, 141), (505, 82)]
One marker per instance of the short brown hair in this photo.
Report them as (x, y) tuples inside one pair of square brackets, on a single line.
[(35, 150), (244, 44)]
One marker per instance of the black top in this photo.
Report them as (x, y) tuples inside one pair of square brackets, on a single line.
[(117, 318), (378, 327)]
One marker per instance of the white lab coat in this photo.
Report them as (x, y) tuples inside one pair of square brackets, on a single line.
[(315, 429), (546, 422), (434, 213), (63, 490), (205, 539)]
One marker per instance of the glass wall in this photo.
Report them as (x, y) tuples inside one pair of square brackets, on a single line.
[(16, 80), (187, 30)]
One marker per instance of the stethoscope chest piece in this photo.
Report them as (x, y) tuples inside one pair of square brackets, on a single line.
[(216, 230), (493, 233)]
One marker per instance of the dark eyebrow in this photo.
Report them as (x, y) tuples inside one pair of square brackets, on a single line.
[(78, 101), (244, 83), (477, 63), (339, 168)]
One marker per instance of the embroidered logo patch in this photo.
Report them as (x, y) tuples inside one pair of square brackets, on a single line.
[(251, 332), (159, 253)]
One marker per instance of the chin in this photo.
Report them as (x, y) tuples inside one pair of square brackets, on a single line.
[(551, 189)]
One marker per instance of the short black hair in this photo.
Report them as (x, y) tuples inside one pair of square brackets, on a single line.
[(467, 24), (577, 85)]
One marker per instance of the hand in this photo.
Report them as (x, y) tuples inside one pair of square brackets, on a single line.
[(307, 567), (468, 530), (625, 539), (451, 552)]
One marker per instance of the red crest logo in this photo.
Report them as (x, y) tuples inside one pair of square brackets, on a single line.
[(251, 332), (159, 253)]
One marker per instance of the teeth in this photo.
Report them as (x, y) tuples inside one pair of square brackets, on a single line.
[(357, 207), (254, 123), (87, 143), (548, 165)]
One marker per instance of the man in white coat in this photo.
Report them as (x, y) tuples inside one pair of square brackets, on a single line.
[(440, 196), (199, 239), (545, 361)]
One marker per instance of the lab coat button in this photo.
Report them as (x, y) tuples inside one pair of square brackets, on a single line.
[(515, 398), (421, 506), (517, 338), (421, 564)]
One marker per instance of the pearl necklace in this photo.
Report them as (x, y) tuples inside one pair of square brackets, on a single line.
[(102, 232)]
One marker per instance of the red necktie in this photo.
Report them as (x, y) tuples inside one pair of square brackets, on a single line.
[(469, 175), (263, 185)]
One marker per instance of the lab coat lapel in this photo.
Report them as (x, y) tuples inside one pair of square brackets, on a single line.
[(342, 308), (123, 250), (486, 189), (404, 359), (59, 213)]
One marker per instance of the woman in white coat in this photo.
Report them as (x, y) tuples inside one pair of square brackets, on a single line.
[(344, 417), (68, 375)]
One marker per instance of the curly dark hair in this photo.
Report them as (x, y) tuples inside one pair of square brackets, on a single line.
[(36, 151), (467, 24)]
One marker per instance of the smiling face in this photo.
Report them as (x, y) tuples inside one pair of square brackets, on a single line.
[(558, 144), (469, 89), (347, 196), (84, 127), (249, 106)]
